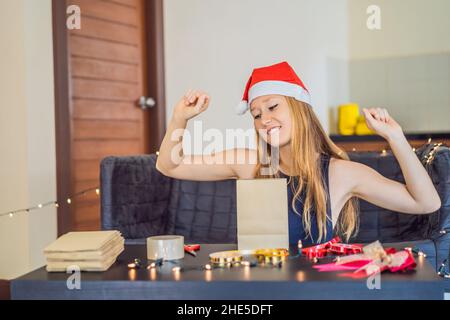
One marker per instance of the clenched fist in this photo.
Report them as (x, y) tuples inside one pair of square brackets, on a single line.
[(191, 104), (379, 120)]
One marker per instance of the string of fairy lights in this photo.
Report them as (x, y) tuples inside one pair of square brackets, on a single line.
[(69, 200)]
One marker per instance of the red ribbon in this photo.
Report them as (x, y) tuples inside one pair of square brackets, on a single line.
[(345, 249), (333, 246), (191, 248), (320, 250), (407, 264)]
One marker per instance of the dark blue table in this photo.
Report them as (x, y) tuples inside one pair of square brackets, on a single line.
[(296, 279)]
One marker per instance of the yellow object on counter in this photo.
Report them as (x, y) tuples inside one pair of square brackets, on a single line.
[(362, 128), (348, 118)]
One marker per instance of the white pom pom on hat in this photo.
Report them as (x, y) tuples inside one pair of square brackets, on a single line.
[(279, 79), (242, 107)]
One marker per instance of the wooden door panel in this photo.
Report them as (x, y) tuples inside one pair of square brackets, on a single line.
[(129, 3), (88, 217), (86, 170), (104, 70), (104, 50), (83, 150), (106, 129), (108, 30), (108, 11), (105, 90), (101, 110)]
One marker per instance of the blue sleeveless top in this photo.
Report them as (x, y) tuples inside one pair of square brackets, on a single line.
[(296, 229)]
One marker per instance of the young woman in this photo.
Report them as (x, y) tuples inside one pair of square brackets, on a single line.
[(323, 184)]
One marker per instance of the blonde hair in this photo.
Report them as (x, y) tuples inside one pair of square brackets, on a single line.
[(308, 139)]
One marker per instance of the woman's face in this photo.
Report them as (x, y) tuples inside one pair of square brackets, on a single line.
[(272, 119)]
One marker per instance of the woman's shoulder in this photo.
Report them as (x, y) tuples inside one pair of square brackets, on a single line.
[(345, 166), (341, 166), (347, 173)]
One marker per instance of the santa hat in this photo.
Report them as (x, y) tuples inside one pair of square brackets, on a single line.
[(279, 78)]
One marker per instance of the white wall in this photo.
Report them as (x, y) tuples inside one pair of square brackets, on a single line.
[(214, 45), (408, 27), (405, 66), (27, 137)]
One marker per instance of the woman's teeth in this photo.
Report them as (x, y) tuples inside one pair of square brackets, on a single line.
[(273, 130)]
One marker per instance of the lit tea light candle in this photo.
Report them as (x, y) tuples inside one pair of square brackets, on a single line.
[(152, 274), (135, 264), (176, 269), (300, 276), (132, 274)]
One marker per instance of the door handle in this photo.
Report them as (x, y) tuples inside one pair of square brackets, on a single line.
[(146, 102)]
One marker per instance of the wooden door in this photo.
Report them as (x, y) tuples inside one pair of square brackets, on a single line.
[(107, 74)]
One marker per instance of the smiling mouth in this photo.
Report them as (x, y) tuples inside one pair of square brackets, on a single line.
[(273, 130)]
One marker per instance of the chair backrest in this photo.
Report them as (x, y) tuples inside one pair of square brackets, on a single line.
[(134, 196), (204, 211)]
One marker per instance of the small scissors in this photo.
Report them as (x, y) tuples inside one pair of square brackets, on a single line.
[(191, 248)]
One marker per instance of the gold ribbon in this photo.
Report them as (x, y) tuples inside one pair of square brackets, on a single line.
[(227, 258), (223, 258)]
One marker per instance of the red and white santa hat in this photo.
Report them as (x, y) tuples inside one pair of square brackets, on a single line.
[(279, 79)]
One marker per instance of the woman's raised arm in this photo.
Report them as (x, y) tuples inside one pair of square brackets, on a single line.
[(228, 164), (418, 195)]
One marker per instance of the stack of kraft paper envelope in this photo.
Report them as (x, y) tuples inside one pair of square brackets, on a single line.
[(88, 250)]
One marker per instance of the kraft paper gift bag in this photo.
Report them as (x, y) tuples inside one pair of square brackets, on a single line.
[(262, 214)]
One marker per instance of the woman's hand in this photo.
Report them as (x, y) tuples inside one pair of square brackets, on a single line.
[(379, 120), (191, 104)]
